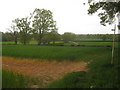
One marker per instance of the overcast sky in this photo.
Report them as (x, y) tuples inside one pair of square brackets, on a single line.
[(70, 15)]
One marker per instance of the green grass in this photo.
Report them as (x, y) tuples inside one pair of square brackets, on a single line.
[(54, 52), (19, 43), (61, 43), (70, 80), (101, 74), (33, 42), (7, 42), (94, 39), (95, 43), (30, 42), (13, 80)]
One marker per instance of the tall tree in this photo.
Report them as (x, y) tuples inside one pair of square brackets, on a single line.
[(24, 27), (14, 33), (110, 10), (42, 22)]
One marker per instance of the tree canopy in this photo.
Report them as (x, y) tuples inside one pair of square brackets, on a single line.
[(23, 25), (42, 22), (109, 10)]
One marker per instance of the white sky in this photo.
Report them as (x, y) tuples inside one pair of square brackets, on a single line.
[(70, 15)]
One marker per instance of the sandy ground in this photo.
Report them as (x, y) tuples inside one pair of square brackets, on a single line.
[(43, 69)]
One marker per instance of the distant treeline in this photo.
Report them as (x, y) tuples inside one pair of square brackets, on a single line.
[(66, 37), (104, 37)]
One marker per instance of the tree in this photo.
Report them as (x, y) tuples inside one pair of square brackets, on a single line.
[(104, 37), (54, 36), (24, 28), (46, 38), (68, 36), (14, 33), (42, 22), (51, 37), (110, 10), (7, 36)]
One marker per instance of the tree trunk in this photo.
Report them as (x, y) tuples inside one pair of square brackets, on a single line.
[(24, 42), (39, 42), (48, 43), (40, 38), (53, 42), (15, 41)]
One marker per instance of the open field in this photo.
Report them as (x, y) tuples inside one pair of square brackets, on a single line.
[(93, 39), (95, 43), (82, 42), (8, 42), (49, 63), (61, 43), (55, 52)]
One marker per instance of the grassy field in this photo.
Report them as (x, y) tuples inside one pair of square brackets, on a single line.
[(94, 39), (12, 42), (95, 43), (101, 74), (54, 52), (61, 42)]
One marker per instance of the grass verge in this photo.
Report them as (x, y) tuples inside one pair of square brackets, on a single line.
[(101, 74)]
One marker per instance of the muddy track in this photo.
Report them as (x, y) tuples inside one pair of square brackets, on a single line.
[(42, 69)]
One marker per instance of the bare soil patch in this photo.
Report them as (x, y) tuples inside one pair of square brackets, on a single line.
[(45, 70)]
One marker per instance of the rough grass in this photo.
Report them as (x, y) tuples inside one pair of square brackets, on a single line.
[(101, 74), (13, 80), (54, 52), (71, 80)]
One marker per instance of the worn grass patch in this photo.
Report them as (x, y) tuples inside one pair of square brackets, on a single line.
[(45, 70)]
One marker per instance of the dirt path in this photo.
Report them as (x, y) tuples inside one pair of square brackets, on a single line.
[(45, 70)]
